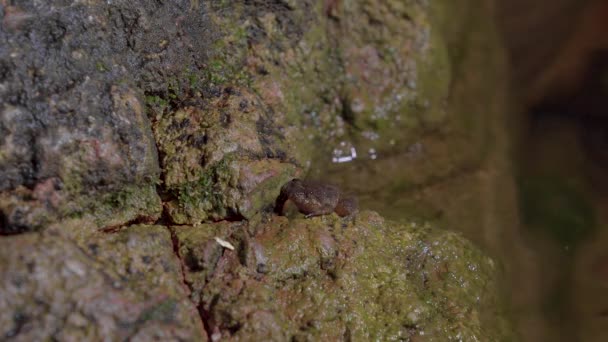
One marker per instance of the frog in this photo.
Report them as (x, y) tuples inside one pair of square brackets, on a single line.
[(315, 198)]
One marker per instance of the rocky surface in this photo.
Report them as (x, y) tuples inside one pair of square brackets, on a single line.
[(76, 136), (356, 278), (331, 278), (84, 285), (215, 164), (134, 135)]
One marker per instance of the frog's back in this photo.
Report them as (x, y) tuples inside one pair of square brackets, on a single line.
[(312, 198), (321, 195)]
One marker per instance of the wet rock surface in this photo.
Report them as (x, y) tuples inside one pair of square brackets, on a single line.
[(356, 278), (329, 278), (133, 136), (72, 84), (216, 164), (215, 105), (93, 286)]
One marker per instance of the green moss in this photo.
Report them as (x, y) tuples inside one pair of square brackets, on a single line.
[(366, 277), (226, 65), (156, 104), (101, 66), (72, 184), (164, 312), (205, 197), (194, 80), (156, 100), (115, 207), (221, 71)]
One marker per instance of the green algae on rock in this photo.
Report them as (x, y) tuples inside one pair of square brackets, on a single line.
[(240, 96), (386, 90), (217, 161), (329, 278), (443, 148), (73, 79), (78, 169)]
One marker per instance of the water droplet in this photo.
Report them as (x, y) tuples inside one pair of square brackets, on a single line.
[(344, 153), (372, 154)]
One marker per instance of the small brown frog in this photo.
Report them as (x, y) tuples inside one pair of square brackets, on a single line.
[(315, 198)]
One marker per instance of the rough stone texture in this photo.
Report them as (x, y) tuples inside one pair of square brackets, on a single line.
[(72, 81), (331, 279), (448, 162), (226, 86), (216, 165), (93, 286), (235, 142), (192, 115)]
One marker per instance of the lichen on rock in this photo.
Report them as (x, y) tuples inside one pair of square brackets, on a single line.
[(218, 161), (329, 278), (157, 129)]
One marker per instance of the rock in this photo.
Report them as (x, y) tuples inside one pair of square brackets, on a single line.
[(73, 79), (17, 129), (328, 278), (220, 162), (91, 286), (192, 115)]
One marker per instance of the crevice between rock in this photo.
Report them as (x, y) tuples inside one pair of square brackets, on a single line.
[(202, 316)]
